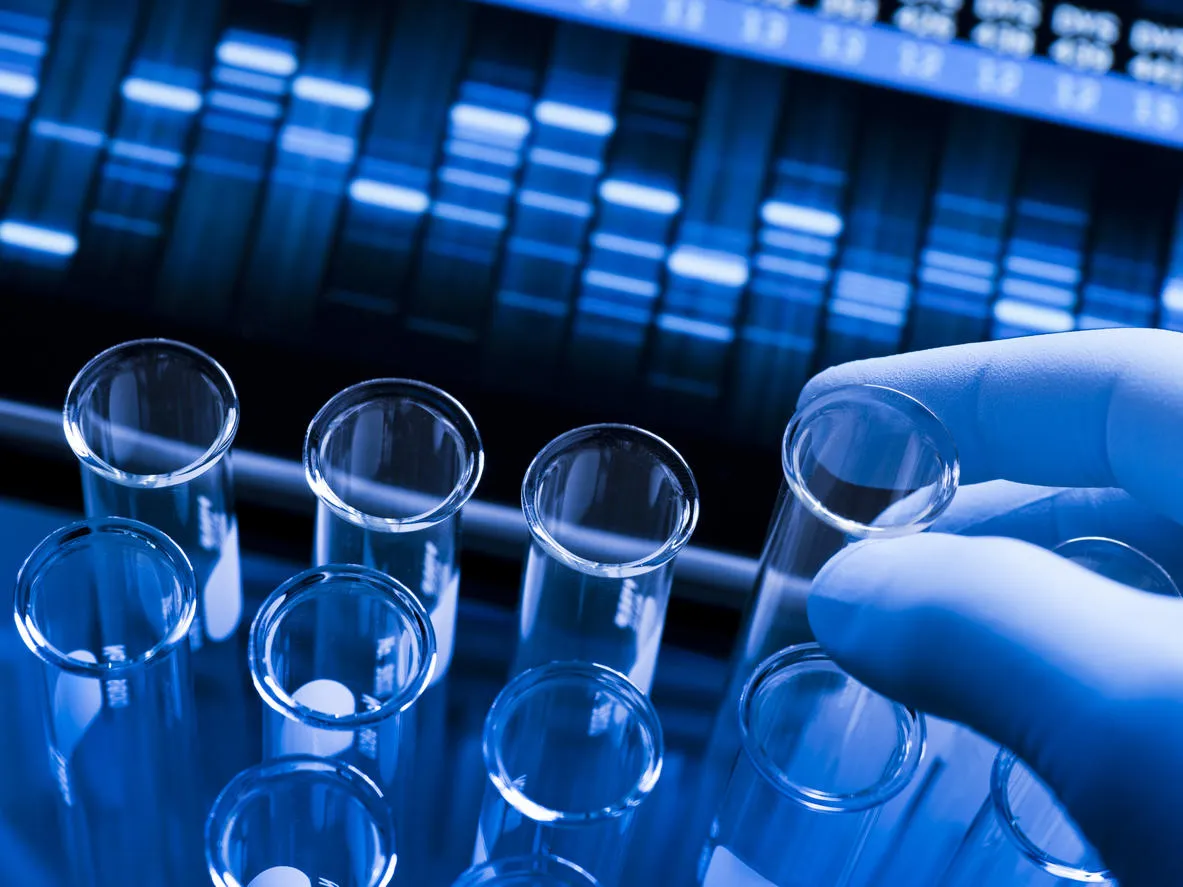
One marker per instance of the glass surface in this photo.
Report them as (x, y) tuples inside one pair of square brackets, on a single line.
[(608, 508), (526, 871), (571, 751), (300, 822), (106, 604), (1120, 562), (821, 754)]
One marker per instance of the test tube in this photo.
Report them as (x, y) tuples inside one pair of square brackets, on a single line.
[(608, 508), (106, 605), (526, 871), (1022, 837), (821, 754), (300, 821), (391, 462), (1120, 562), (571, 750), (339, 655)]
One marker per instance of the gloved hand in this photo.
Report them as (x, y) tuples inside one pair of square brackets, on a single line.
[(1059, 436)]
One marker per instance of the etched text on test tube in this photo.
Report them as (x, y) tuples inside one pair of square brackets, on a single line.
[(391, 462), (300, 821), (571, 749), (821, 754), (106, 605), (608, 508)]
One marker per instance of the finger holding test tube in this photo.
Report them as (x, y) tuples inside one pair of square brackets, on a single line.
[(106, 604), (526, 871), (821, 754), (340, 654), (300, 821), (608, 508), (571, 750), (392, 462)]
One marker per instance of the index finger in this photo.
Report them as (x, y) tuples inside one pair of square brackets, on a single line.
[(1096, 408)]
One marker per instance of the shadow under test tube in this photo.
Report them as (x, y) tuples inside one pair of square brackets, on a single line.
[(821, 754), (525, 871), (571, 749), (391, 462), (608, 508), (300, 821), (106, 605)]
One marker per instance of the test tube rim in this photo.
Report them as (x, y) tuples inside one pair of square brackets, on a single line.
[(221, 817), (298, 588), (88, 375), (1151, 563), (431, 398), (626, 693), (670, 458), (926, 421), (1004, 763), (69, 537), (568, 875), (912, 722)]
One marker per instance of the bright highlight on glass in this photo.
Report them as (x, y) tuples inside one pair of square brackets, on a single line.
[(571, 749), (1120, 562), (106, 605), (300, 821), (339, 655), (392, 462), (1023, 838), (608, 508), (526, 871), (821, 754)]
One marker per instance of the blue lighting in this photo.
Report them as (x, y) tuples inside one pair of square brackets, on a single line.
[(317, 144), (699, 329), (330, 92), (541, 200), (801, 218), (712, 266), (22, 45), (499, 124), (256, 58), (574, 118), (232, 101), (627, 245), (161, 95), (468, 179), (1038, 318), (468, 216), (646, 289), (483, 153), (64, 132), (146, 153), (954, 262), (1038, 292), (34, 237), (249, 80), (388, 196), (561, 160), (17, 85), (630, 194), (1047, 270)]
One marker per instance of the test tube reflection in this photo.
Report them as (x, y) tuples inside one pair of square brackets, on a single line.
[(339, 655), (571, 749), (1022, 837), (526, 871), (821, 754), (608, 508), (391, 462), (106, 605), (300, 821)]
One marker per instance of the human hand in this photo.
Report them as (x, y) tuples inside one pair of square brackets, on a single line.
[(1059, 436)]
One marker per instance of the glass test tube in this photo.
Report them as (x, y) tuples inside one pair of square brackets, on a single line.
[(821, 754), (300, 821), (1022, 837), (608, 508), (571, 749), (1120, 562), (525, 871), (106, 605), (391, 462), (340, 654)]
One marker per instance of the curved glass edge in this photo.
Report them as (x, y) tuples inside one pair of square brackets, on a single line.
[(435, 399), (56, 545), (86, 377), (309, 583), (1071, 549), (927, 424), (910, 723), (224, 812), (606, 680), (663, 452), (1004, 762), (544, 871)]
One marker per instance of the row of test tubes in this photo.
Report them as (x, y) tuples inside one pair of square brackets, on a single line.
[(809, 778)]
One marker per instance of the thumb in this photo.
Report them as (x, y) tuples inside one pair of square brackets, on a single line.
[(1080, 676)]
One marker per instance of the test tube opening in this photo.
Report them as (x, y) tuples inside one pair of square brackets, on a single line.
[(572, 742), (1034, 821), (104, 594), (870, 461), (393, 455), (341, 646), (298, 820), (611, 500), (151, 413), (822, 738), (526, 871), (1120, 562)]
